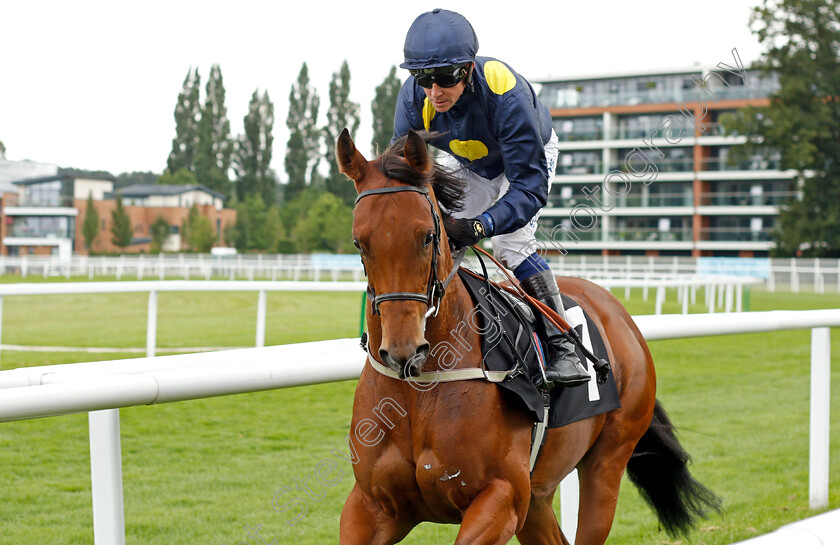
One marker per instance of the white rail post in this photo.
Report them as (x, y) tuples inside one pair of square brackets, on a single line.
[(838, 276), (820, 412), (261, 304), (685, 298), (710, 297), (569, 497), (660, 298), (151, 324), (729, 300), (818, 280), (106, 477)]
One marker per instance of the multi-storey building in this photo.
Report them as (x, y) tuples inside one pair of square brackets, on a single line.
[(46, 215), (645, 168)]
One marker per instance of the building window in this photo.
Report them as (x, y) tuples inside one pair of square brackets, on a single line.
[(103, 225), (174, 229), (41, 226), (45, 194), (579, 162), (570, 129)]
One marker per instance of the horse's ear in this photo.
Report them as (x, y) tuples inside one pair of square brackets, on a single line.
[(416, 153), (351, 163)]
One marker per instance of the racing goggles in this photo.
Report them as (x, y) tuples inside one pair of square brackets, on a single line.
[(444, 76)]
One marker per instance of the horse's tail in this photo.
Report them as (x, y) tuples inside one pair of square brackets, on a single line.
[(659, 469)]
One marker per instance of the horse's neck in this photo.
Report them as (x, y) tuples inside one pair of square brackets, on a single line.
[(453, 326)]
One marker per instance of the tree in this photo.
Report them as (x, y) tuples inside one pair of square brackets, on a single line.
[(215, 146), (802, 121), (181, 176), (342, 113), (192, 216), (294, 210), (251, 229), (383, 106), (303, 148), (90, 226), (2, 151), (201, 234), (121, 225), (326, 226), (187, 114), (159, 232), (252, 162)]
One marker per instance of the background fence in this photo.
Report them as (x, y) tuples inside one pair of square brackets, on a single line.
[(795, 275)]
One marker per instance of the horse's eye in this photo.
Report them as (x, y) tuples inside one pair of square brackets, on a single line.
[(430, 237), (357, 245)]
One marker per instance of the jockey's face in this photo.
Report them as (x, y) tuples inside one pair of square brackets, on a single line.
[(443, 98)]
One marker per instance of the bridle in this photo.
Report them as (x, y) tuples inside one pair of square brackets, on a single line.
[(435, 289)]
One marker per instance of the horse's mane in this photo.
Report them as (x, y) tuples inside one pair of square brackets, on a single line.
[(448, 186)]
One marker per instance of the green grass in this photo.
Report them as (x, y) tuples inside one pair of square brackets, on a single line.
[(184, 319), (198, 471)]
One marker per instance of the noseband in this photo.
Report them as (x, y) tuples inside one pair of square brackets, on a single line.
[(435, 289)]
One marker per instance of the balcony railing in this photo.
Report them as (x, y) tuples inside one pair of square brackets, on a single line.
[(24, 231), (663, 165), (580, 168), (580, 136), (633, 234), (52, 202), (656, 200), (735, 234), (634, 200), (718, 164), (566, 237), (570, 98), (745, 198)]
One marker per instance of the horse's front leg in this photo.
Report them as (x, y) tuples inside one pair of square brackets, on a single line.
[(494, 516), (363, 523)]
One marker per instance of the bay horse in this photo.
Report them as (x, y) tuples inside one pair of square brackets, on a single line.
[(458, 453)]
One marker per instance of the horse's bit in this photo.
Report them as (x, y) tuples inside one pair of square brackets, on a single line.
[(435, 288)]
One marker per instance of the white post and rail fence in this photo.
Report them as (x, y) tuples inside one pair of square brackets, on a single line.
[(723, 293), (101, 388)]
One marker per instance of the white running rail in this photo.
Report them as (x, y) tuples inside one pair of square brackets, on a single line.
[(103, 387)]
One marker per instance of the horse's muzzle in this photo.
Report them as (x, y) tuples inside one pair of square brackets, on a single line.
[(405, 362)]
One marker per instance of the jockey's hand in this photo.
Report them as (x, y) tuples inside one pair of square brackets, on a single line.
[(464, 232)]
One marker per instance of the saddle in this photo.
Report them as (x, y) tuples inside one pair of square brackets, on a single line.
[(509, 343)]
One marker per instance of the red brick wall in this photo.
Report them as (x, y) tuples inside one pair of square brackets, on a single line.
[(141, 219)]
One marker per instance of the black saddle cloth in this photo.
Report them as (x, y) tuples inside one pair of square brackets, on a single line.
[(508, 342)]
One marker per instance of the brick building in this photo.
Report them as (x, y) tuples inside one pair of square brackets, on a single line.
[(47, 214)]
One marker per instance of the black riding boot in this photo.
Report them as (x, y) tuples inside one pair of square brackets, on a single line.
[(563, 366)]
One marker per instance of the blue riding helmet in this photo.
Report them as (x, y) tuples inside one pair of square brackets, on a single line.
[(439, 38)]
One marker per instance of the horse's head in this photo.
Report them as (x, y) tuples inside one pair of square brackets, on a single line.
[(398, 230)]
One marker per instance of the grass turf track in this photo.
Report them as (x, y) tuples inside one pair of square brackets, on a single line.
[(198, 471)]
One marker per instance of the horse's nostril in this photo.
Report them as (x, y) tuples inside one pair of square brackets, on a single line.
[(422, 353), (386, 358)]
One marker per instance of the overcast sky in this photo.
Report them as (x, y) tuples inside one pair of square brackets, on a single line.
[(93, 84)]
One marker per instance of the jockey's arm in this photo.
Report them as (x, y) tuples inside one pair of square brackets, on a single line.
[(523, 154)]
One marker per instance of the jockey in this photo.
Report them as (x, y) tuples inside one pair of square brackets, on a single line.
[(500, 138)]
